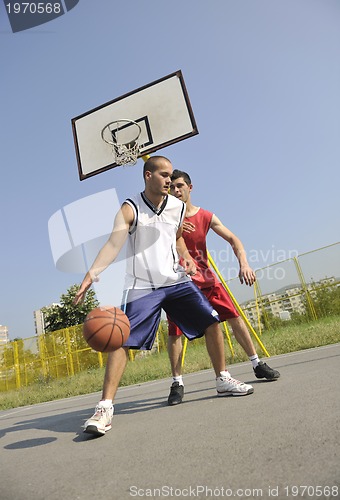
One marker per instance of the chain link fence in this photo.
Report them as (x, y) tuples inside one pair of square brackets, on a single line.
[(302, 288)]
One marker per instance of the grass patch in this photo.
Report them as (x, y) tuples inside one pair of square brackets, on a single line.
[(288, 338)]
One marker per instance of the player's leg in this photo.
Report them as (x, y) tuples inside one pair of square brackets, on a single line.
[(215, 347), (226, 385), (143, 310), (195, 316), (100, 422), (175, 349), (220, 300), (115, 366), (242, 335)]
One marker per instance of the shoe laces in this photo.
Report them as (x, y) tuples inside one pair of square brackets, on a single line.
[(231, 380), (99, 411), (174, 387)]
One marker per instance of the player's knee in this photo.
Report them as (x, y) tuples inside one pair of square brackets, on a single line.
[(213, 329)]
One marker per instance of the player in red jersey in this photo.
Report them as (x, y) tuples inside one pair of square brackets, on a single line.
[(151, 222), (196, 225)]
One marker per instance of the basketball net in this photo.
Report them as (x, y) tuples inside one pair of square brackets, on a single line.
[(122, 136)]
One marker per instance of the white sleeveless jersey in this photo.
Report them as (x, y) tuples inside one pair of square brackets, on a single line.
[(152, 259)]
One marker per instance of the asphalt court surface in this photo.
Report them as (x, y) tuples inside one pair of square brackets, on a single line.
[(282, 441)]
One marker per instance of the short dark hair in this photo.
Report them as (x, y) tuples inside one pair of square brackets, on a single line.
[(176, 174), (153, 163)]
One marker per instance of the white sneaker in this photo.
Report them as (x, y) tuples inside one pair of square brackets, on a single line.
[(100, 422), (228, 386)]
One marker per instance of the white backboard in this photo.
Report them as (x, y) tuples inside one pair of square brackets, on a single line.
[(162, 109)]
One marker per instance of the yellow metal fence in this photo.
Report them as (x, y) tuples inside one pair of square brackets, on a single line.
[(64, 352), (53, 355)]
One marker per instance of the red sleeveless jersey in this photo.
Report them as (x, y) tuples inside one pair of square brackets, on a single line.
[(197, 246)]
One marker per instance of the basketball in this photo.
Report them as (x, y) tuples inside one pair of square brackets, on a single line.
[(106, 329)]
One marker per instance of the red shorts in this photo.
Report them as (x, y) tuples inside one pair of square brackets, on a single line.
[(221, 302)]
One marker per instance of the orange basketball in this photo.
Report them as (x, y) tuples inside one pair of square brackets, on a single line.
[(106, 329)]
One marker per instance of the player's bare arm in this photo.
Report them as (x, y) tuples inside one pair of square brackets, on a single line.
[(246, 273), (189, 264), (109, 251)]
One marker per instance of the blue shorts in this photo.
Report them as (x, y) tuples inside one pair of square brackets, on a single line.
[(183, 303)]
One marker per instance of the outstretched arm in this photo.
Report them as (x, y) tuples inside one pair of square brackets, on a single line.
[(109, 251), (246, 274)]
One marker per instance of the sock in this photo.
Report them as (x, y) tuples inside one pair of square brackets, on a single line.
[(105, 403), (225, 373), (178, 379), (254, 360)]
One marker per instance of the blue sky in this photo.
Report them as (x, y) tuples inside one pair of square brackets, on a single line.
[(263, 77)]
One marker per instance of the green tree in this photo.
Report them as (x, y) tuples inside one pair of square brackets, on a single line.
[(327, 300), (66, 314)]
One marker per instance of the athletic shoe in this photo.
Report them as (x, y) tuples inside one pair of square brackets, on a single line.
[(264, 371), (176, 394), (228, 386), (100, 422)]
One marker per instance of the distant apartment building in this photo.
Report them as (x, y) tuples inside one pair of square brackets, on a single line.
[(283, 302), (4, 339), (39, 320)]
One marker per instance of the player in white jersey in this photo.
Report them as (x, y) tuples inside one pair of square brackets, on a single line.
[(152, 222), (152, 259)]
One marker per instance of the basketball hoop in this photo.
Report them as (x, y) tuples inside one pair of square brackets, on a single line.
[(123, 135)]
